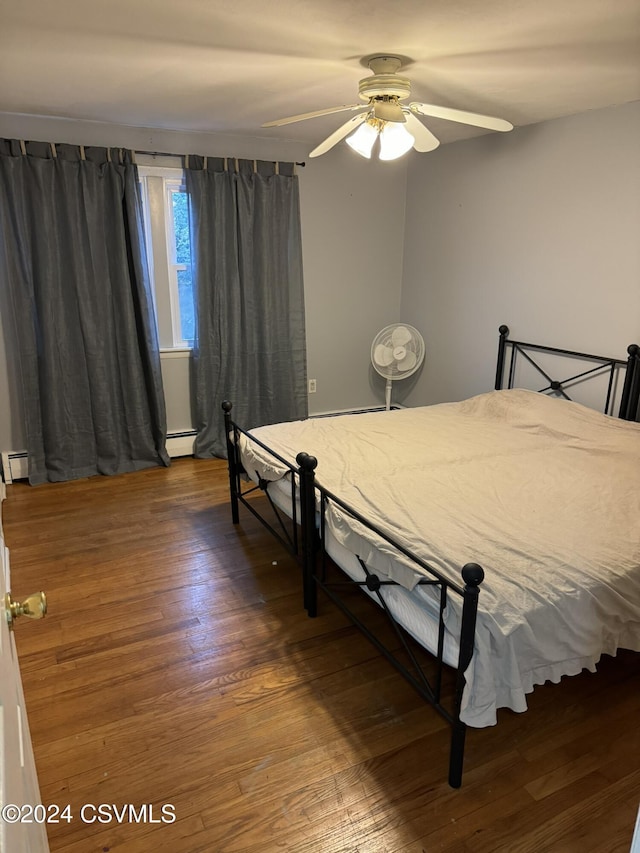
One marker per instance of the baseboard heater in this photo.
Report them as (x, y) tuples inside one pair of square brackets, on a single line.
[(15, 463), (180, 443), (15, 466)]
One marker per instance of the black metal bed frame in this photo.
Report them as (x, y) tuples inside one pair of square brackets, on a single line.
[(611, 368), (310, 502)]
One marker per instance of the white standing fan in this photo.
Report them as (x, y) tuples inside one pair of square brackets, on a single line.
[(397, 352)]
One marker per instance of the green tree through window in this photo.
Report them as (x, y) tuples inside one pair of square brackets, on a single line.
[(180, 210)]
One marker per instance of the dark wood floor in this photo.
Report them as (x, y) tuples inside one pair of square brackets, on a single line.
[(176, 667)]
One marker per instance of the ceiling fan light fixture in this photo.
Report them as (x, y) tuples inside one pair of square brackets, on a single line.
[(388, 109), (395, 140), (363, 139)]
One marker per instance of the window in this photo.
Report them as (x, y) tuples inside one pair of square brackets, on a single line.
[(166, 209)]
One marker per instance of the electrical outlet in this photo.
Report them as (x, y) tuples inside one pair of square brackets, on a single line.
[(312, 386)]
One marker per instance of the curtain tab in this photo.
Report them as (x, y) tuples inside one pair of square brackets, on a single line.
[(255, 167), (54, 153), (277, 167), (226, 164), (186, 161), (23, 148), (108, 155), (235, 161), (204, 163), (82, 154)]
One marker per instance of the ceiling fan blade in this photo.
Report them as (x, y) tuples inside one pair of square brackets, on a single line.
[(448, 113), (344, 130), (424, 139), (304, 116)]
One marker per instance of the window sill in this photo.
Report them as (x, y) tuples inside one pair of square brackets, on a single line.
[(176, 352)]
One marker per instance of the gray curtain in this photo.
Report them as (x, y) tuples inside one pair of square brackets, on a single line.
[(72, 256), (250, 343)]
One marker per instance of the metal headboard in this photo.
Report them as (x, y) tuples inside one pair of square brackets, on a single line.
[(613, 369)]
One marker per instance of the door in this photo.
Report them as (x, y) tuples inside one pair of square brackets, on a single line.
[(22, 829)]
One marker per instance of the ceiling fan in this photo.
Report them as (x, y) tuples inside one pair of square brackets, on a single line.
[(384, 118)]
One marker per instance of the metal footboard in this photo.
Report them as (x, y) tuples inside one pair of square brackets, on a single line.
[(316, 576), (309, 503)]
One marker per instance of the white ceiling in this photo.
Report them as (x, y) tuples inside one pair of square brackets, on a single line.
[(227, 66)]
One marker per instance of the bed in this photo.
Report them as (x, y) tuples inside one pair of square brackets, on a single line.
[(500, 533)]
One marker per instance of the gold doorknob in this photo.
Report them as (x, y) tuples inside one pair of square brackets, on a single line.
[(34, 607)]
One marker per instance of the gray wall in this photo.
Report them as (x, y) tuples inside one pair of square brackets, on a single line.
[(352, 238), (538, 229)]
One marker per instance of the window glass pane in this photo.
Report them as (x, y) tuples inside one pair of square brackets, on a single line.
[(180, 211), (185, 298), (181, 227)]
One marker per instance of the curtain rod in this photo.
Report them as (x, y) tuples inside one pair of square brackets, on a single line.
[(166, 154)]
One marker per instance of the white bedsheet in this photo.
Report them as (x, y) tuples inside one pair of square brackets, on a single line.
[(543, 493)]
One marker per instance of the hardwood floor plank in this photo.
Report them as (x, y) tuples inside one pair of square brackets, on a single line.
[(177, 666)]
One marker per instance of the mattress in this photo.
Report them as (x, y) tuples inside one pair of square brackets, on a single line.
[(542, 492)]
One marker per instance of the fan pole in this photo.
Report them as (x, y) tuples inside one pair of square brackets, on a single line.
[(387, 394)]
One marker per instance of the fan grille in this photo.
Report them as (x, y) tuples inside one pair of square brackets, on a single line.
[(397, 351)]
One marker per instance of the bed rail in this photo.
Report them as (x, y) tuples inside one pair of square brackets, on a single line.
[(317, 576), (612, 369), (241, 488)]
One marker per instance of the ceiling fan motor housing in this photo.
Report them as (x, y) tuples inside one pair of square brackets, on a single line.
[(385, 89), (381, 85)]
